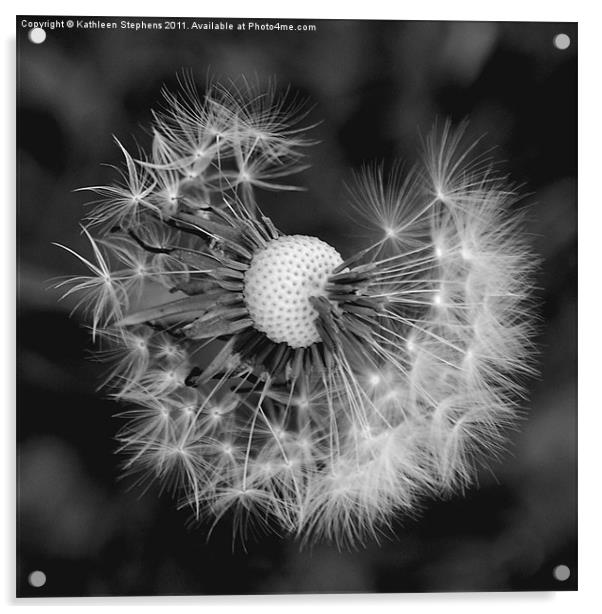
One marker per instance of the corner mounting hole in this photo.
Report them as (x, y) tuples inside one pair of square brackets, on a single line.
[(37, 35), (562, 41), (37, 579), (561, 573)]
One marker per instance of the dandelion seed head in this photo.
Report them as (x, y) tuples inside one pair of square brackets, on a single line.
[(269, 378), (279, 283)]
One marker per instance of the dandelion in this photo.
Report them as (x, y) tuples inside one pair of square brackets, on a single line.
[(307, 391)]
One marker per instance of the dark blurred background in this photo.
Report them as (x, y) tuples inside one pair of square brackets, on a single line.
[(377, 86)]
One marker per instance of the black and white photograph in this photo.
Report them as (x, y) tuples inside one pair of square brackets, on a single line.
[(296, 306)]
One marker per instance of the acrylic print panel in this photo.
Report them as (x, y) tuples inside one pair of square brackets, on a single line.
[(297, 306)]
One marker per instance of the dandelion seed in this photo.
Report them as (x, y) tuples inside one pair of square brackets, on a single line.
[(121, 204), (342, 387)]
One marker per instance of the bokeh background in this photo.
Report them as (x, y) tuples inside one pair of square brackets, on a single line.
[(376, 87)]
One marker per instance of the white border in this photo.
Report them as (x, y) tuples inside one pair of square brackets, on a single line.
[(509, 10), (590, 225)]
